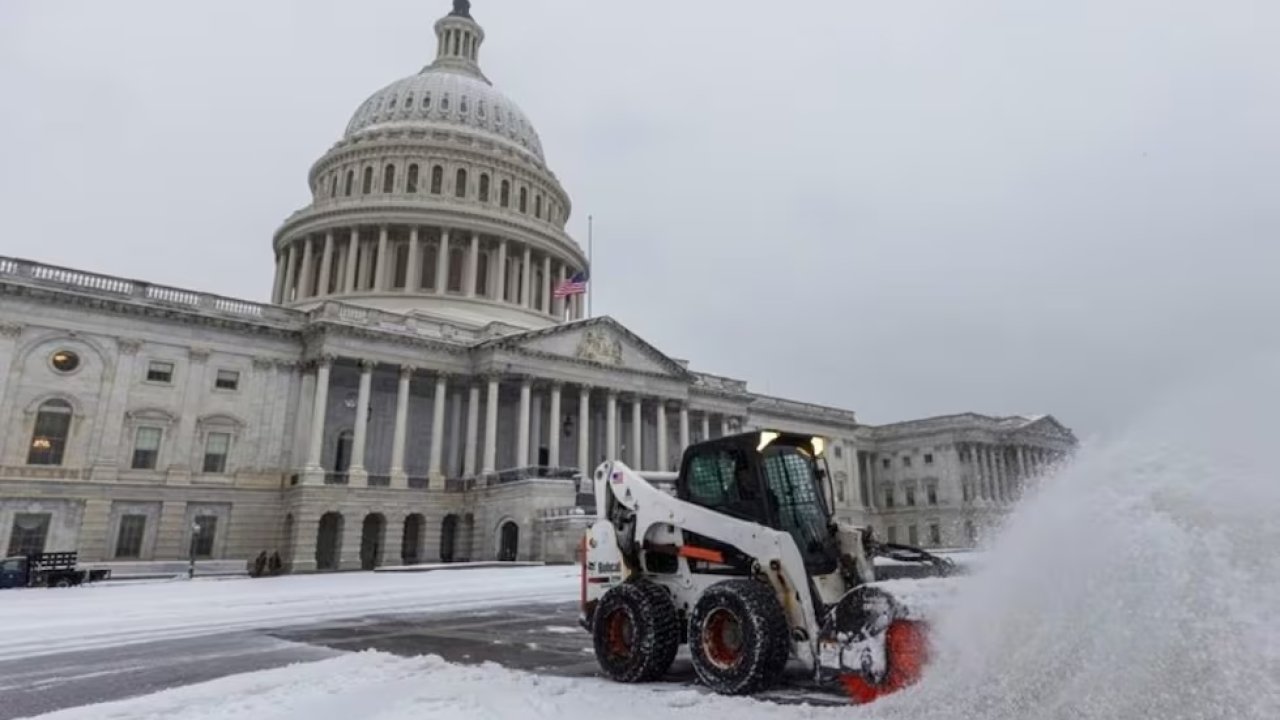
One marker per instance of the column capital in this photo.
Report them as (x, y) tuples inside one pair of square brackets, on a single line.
[(263, 363), (199, 354), (407, 371), (367, 365)]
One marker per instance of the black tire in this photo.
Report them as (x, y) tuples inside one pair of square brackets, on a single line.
[(62, 583), (635, 632), (738, 637)]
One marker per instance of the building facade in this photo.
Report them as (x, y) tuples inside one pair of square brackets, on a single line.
[(415, 390)]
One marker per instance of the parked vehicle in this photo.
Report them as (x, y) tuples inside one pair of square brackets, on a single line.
[(46, 570)]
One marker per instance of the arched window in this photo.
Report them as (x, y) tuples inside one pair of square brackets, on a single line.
[(457, 261), (504, 195), (427, 273), (411, 184), (351, 179), (482, 274), (400, 272), (537, 207), (389, 178), (367, 187), (437, 180), (49, 438), (426, 101), (460, 184), (524, 200), (333, 185), (342, 452), (484, 187)]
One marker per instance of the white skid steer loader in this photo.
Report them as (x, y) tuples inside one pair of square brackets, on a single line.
[(738, 557)]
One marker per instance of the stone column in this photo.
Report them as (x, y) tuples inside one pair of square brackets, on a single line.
[(522, 424), (308, 259), (277, 290), (500, 287), (558, 303), (454, 446), (584, 434), (611, 425), (662, 436), (546, 284), (989, 471), (319, 409), (380, 269), (535, 430), (637, 433), (442, 263), (399, 478), (473, 429), (326, 265), (706, 426), (358, 473), (684, 427), (526, 278), (873, 502), (473, 266), (553, 430), (413, 273), (491, 428), (290, 274), (724, 425), (353, 259), (435, 469)]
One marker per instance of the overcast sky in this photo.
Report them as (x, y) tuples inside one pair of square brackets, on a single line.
[(902, 208)]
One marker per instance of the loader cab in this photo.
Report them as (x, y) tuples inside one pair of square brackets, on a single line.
[(774, 479), (13, 572)]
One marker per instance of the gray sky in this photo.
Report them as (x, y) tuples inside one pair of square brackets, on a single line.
[(903, 208)]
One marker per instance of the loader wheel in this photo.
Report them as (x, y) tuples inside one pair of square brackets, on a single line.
[(635, 632), (738, 637)]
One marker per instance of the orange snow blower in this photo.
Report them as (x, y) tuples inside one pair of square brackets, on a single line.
[(738, 557)]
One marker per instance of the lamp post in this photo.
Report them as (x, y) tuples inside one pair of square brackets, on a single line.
[(191, 551)]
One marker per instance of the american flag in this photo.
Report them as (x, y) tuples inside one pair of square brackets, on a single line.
[(576, 285)]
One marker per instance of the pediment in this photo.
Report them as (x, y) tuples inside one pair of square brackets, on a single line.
[(599, 341), (1049, 425)]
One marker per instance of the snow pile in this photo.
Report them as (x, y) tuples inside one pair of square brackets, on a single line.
[(39, 622), (1141, 582)]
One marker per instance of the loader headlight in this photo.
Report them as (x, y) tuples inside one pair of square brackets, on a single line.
[(818, 446), (766, 437)]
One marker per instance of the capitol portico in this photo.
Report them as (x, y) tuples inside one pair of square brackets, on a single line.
[(415, 390)]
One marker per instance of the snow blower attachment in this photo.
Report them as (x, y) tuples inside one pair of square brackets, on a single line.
[(738, 557)]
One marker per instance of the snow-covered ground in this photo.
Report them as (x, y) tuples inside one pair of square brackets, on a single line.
[(41, 622), (377, 686)]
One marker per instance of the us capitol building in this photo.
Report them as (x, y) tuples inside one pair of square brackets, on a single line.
[(416, 390)]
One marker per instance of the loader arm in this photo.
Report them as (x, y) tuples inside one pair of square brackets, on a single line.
[(774, 552)]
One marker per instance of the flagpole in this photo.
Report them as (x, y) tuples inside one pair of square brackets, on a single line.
[(591, 270)]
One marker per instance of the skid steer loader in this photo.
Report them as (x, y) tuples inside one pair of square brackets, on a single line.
[(737, 555)]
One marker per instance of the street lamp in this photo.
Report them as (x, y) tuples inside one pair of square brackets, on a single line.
[(191, 551)]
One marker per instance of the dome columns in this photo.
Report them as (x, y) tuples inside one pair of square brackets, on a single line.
[(387, 264)]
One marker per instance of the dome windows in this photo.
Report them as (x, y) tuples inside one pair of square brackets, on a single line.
[(333, 185), (524, 200), (484, 187), (437, 180), (504, 195), (462, 105), (411, 182), (481, 111), (351, 179), (367, 186), (537, 207), (426, 101), (460, 184), (392, 104), (389, 178), (444, 103), (408, 102)]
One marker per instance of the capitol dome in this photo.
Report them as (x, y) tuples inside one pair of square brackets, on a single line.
[(437, 201), (447, 98)]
